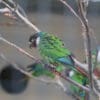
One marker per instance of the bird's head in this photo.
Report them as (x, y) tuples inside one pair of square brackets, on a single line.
[(34, 40)]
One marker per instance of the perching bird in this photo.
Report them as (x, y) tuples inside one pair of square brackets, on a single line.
[(52, 50)]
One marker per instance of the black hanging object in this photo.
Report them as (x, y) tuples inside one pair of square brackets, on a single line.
[(12, 80)]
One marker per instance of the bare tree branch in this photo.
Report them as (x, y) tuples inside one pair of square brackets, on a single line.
[(86, 31), (18, 48)]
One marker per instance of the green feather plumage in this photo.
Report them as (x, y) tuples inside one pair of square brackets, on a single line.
[(81, 79), (51, 48), (39, 70)]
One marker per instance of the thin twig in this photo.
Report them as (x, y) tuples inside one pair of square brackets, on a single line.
[(72, 10), (86, 31), (87, 41), (18, 48)]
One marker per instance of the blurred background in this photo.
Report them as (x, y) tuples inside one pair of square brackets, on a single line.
[(49, 16)]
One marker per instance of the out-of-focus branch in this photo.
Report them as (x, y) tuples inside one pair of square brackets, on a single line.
[(83, 4), (87, 40), (22, 17), (18, 48), (72, 10)]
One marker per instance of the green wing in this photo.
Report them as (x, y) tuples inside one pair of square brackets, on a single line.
[(81, 80), (52, 48)]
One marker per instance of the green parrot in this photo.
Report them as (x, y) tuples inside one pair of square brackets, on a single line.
[(52, 50)]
